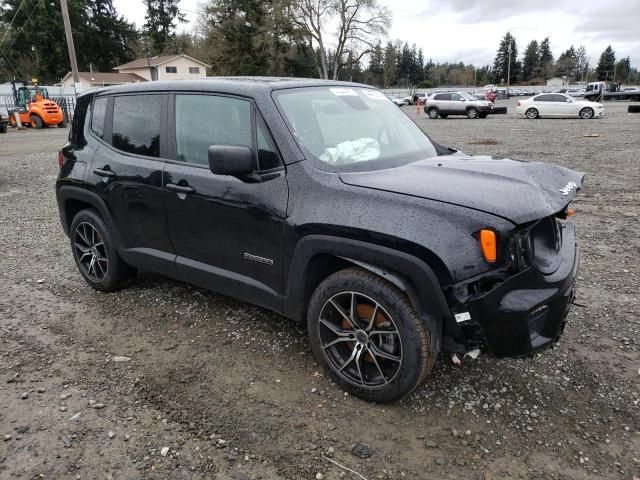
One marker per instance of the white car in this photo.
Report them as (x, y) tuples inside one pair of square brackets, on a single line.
[(559, 105)]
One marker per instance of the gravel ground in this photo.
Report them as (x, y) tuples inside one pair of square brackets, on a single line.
[(164, 380)]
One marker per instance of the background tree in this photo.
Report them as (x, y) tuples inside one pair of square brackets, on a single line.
[(360, 23), (582, 63), (35, 46), (390, 65), (530, 61), (623, 71), (160, 25), (606, 64), (376, 66), (545, 60), (566, 63), (501, 62)]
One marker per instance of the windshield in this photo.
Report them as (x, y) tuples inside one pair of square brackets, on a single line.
[(468, 96), (351, 126)]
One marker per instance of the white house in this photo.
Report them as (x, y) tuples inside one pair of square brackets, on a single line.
[(166, 67), (100, 79)]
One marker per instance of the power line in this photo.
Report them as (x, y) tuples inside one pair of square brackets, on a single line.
[(4, 54), (11, 24)]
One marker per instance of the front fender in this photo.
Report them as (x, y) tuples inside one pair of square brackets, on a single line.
[(416, 278)]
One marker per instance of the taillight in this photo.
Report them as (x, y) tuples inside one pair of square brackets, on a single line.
[(60, 159), (488, 245)]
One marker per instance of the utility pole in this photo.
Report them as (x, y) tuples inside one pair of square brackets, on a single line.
[(509, 69), (70, 46)]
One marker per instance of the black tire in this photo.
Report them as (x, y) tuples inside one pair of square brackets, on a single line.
[(531, 113), (3, 127), (63, 124), (36, 121), (408, 359), (444, 115), (472, 113), (483, 115), (433, 113), (586, 113), (109, 274)]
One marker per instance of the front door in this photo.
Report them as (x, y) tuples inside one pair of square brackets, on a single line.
[(457, 104), (228, 232)]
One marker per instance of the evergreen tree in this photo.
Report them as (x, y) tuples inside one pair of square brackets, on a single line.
[(530, 61), (160, 24), (606, 64), (103, 39), (623, 70), (566, 63), (390, 67), (376, 66), (501, 62), (582, 63), (545, 65)]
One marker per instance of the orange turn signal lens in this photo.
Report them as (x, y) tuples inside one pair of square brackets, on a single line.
[(570, 212), (489, 245)]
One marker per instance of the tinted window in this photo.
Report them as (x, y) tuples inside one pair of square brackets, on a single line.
[(442, 96), (559, 98), (97, 118), (544, 98), (267, 155), (136, 124), (205, 120), (171, 69)]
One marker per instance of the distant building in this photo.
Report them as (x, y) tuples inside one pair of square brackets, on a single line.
[(556, 82), (100, 79), (166, 67)]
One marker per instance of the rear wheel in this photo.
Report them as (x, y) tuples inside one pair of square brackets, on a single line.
[(532, 113), (95, 253), (365, 332), (472, 113), (586, 113), (36, 121), (432, 112)]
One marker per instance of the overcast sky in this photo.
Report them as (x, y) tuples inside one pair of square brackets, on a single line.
[(470, 30)]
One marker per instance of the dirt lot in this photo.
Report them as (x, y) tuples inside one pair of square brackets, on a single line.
[(215, 388)]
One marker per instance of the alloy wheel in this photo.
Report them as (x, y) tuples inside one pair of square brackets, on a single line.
[(586, 113), (360, 340), (90, 251)]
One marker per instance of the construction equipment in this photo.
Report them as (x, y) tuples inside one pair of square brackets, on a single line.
[(34, 107)]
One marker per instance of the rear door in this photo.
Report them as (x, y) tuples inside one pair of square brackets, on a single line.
[(127, 174), (228, 232), (442, 102)]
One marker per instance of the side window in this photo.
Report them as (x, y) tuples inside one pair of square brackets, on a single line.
[(98, 116), (456, 97), (559, 98), (194, 69), (267, 155), (136, 124), (542, 98), (442, 96), (205, 120)]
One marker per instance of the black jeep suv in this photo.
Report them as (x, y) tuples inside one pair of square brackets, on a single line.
[(324, 202)]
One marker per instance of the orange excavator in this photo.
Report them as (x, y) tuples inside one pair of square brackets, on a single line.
[(34, 107)]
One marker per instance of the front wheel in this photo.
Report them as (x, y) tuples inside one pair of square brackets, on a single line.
[(472, 113), (586, 113), (365, 332)]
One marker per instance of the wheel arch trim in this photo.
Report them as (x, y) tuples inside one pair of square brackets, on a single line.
[(410, 274)]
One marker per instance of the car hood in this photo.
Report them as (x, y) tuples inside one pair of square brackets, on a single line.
[(516, 190)]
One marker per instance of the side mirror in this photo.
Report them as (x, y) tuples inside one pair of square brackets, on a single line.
[(234, 160)]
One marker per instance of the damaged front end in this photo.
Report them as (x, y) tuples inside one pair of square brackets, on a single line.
[(521, 306)]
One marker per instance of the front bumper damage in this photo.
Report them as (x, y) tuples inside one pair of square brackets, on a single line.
[(524, 313)]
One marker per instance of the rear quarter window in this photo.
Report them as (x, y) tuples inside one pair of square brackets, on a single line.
[(98, 116)]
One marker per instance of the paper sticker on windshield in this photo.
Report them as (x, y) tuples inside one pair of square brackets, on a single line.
[(344, 92), (374, 94)]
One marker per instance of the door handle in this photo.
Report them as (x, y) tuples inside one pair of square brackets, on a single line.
[(179, 188), (104, 173)]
